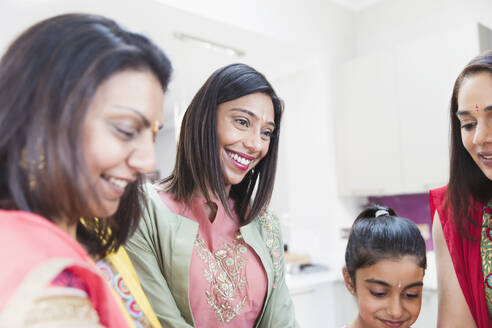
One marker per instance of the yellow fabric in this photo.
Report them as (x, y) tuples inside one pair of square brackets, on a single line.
[(124, 266)]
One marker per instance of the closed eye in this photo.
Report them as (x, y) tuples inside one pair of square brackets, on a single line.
[(410, 295), (125, 132), (377, 294), (468, 126)]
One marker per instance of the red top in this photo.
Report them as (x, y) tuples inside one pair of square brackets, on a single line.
[(27, 241), (465, 255)]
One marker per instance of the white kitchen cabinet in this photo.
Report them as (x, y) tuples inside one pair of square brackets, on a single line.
[(365, 125), (392, 110)]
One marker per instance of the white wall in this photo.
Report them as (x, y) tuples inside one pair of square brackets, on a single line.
[(305, 196), (391, 21)]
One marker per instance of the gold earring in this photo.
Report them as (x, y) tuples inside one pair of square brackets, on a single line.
[(39, 164), (156, 126)]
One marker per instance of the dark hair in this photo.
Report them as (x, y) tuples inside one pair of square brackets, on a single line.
[(467, 182), (379, 234), (48, 77), (197, 160)]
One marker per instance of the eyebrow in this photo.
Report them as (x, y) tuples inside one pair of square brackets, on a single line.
[(140, 115), (384, 283), (467, 112), (250, 113)]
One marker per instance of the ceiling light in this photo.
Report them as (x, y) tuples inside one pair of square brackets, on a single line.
[(209, 44)]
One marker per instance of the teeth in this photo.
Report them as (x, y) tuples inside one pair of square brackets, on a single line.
[(487, 157), (239, 159), (118, 182)]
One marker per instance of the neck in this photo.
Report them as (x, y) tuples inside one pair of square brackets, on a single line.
[(358, 323), (70, 228)]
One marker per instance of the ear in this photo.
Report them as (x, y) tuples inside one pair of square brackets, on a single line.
[(348, 281)]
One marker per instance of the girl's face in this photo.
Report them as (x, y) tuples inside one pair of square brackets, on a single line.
[(244, 128), (475, 115), (388, 293), (118, 136)]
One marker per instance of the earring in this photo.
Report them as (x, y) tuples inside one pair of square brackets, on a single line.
[(39, 164)]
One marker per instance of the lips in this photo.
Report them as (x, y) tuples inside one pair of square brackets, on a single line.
[(485, 158), (240, 160), (117, 185), (392, 324)]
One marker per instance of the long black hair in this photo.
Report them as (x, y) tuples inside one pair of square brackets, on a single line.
[(467, 183), (197, 160), (379, 234), (48, 77)]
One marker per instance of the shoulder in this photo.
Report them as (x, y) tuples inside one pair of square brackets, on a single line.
[(436, 203), (268, 224), (35, 237)]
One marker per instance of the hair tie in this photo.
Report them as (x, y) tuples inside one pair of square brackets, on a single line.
[(381, 213)]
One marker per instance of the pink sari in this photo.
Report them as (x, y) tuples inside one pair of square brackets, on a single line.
[(33, 252)]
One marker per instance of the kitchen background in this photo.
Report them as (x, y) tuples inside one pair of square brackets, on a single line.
[(366, 85)]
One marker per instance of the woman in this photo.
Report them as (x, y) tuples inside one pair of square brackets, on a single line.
[(80, 103), (207, 252), (462, 211)]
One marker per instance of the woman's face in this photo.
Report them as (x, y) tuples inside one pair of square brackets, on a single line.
[(244, 128), (118, 136), (475, 116), (388, 293)]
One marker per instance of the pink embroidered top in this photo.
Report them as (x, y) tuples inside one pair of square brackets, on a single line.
[(228, 284)]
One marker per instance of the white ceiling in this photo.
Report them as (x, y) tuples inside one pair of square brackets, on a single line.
[(356, 4), (192, 63)]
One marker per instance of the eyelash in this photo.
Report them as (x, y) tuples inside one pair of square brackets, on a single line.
[(381, 295), (245, 123), (377, 294), (125, 133), (242, 122), (468, 126)]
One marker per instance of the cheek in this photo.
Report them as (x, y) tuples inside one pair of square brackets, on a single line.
[(368, 307), (414, 309), (102, 151), (467, 140)]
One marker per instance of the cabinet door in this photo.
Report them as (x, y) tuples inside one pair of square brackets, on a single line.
[(426, 70), (367, 126)]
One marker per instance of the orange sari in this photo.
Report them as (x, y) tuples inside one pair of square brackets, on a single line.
[(33, 252)]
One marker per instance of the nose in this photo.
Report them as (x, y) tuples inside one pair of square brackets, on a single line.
[(395, 309), (253, 141), (483, 133), (143, 158)]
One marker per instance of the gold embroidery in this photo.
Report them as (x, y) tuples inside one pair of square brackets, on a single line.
[(60, 308), (273, 242), (486, 255), (225, 272)]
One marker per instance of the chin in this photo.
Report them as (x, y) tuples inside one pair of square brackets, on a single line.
[(107, 211)]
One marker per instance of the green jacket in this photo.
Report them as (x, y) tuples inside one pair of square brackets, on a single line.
[(161, 251)]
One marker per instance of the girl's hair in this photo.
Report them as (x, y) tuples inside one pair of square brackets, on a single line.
[(197, 160), (48, 77), (379, 234), (467, 182)]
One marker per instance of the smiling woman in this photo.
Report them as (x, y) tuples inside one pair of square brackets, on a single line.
[(80, 98), (462, 211), (208, 252)]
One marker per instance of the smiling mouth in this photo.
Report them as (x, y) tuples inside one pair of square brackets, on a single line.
[(118, 183), (487, 157), (392, 324), (240, 161)]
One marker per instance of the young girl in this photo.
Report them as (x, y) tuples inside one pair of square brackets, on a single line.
[(384, 269)]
